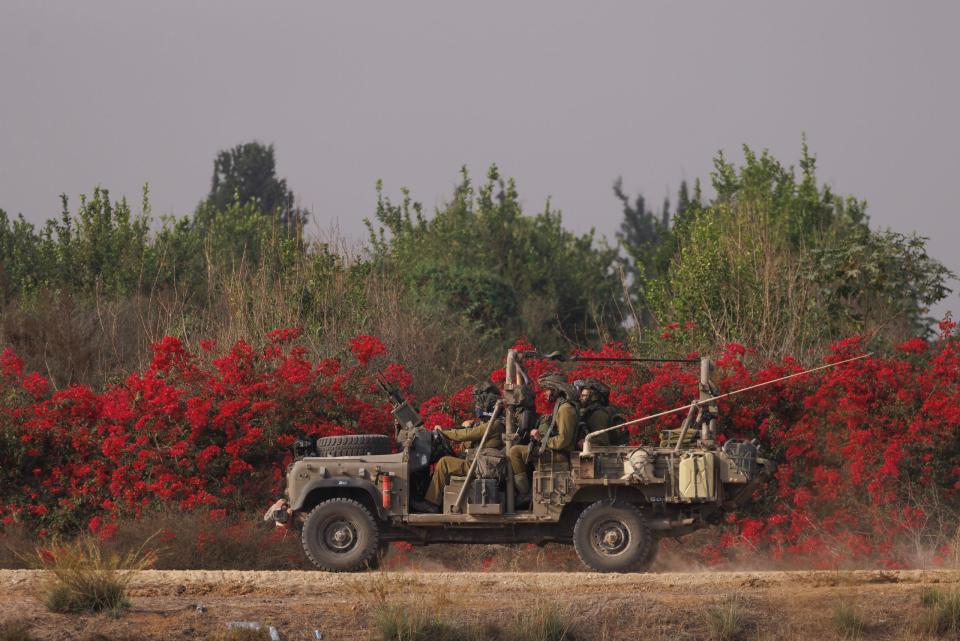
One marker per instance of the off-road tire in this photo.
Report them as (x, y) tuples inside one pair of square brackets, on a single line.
[(651, 556), (611, 536), (340, 535), (354, 445)]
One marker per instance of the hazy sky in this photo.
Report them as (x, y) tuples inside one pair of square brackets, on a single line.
[(564, 97)]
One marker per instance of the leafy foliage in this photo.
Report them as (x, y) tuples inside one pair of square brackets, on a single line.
[(102, 246), (508, 272), (777, 260), (105, 249)]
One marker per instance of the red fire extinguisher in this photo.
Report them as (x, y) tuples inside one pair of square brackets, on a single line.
[(386, 484)]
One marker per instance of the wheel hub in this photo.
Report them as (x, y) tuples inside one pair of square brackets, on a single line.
[(340, 536), (611, 537)]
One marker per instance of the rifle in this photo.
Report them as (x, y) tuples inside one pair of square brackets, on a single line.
[(549, 433), (388, 389)]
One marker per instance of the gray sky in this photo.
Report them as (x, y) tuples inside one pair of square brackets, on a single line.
[(564, 97)]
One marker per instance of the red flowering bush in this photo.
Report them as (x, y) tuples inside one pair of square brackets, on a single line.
[(184, 432), (868, 452)]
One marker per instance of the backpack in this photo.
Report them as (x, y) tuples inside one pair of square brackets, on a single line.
[(491, 464)]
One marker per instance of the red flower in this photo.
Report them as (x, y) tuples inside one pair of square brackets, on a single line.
[(366, 347), (284, 335), (10, 363)]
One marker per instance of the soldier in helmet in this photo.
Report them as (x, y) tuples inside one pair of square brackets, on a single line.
[(559, 431), (594, 413), (485, 396)]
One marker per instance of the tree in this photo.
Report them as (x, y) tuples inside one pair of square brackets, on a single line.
[(782, 263), (649, 242), (482, 258), (247, 174)]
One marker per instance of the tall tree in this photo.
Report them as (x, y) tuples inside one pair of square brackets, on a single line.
[(247, 173), (647, 240), (781, 263)]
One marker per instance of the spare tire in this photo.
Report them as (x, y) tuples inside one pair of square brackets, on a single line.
[(354, 445)]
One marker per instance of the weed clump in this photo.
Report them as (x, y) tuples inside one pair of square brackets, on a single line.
[(84, 579), (941, 613), (395, 622), (409, 622), (724, 622), (847, 622), (541, 622)]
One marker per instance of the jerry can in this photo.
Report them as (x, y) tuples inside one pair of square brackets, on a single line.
[(697, 473)]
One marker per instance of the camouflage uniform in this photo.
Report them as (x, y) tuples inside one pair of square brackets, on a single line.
[(562, 439), (450, 466), (595, 412), (595, 417)]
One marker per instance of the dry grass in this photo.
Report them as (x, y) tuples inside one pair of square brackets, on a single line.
[(724, 622), (541, 621), (109, 337), (15, 631), (847, 622), (20, 631), (409, 622), (17, 544), (195, 541), (940, 615), (417, 622), (240, 634), (184, 541), (432, 618), (85, 579)]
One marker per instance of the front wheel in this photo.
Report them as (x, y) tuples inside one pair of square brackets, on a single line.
[(613, 537), (340, 535)]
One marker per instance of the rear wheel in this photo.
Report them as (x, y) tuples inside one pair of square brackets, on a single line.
[(340, 535), (354, 445), (613, 537), (651, 556)]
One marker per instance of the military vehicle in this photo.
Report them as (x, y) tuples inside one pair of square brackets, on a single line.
[(351, 495)]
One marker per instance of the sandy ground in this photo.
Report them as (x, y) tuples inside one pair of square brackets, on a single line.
[(774, 605)]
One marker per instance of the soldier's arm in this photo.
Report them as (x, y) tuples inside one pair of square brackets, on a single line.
[(565, 428), (465, 434)]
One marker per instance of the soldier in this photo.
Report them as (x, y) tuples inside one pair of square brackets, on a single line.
[(594, 413), (560, 439), (485, 396)]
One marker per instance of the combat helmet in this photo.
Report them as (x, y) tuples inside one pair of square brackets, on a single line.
[(557, 383), (601, 392), (485, 396)]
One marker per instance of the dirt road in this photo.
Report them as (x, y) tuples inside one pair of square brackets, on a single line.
[(772, 605)]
